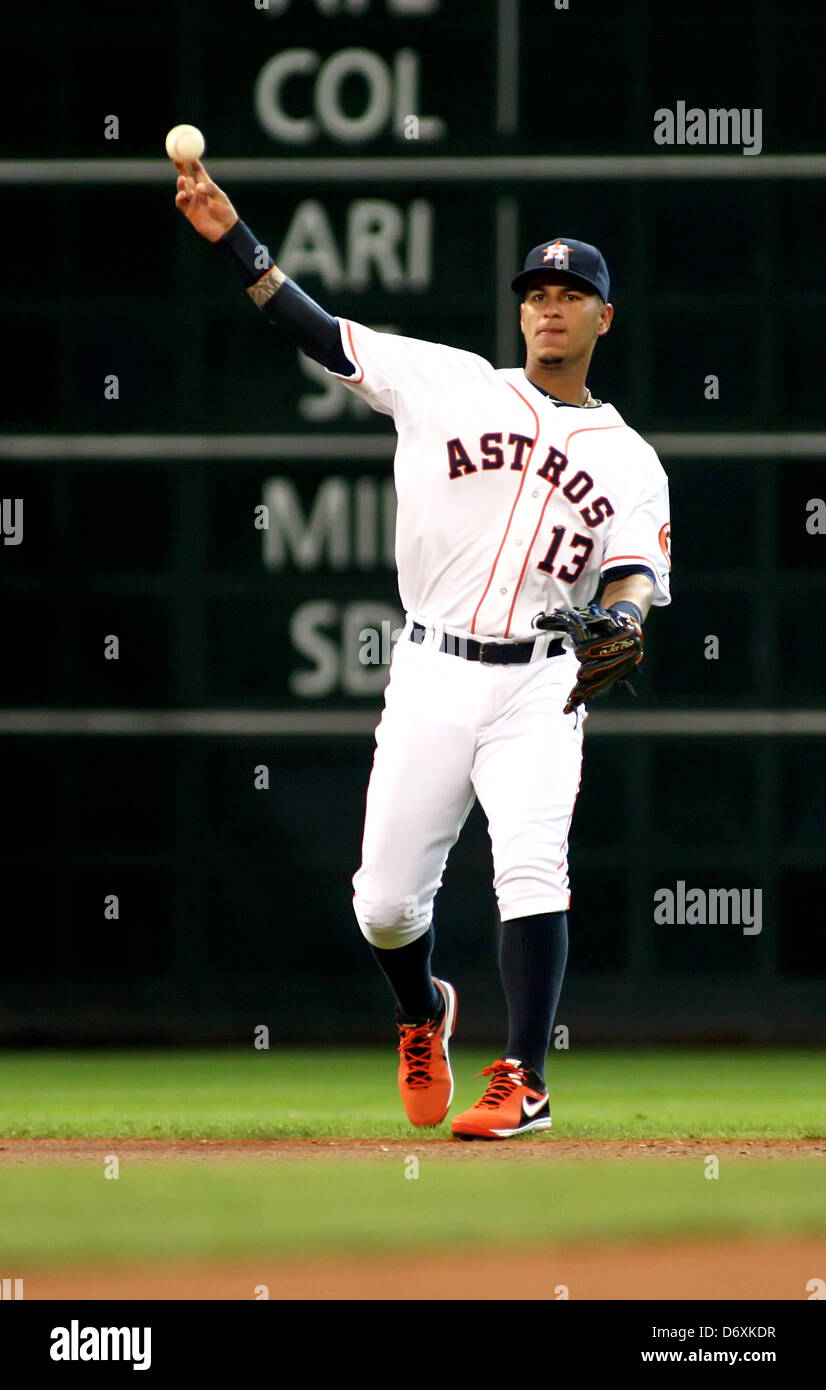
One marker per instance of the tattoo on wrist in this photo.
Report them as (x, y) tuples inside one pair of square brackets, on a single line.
[(266, 287)]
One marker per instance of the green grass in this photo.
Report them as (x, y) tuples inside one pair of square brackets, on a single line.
[(54, 1213), (339, 1093), (58, 1214)]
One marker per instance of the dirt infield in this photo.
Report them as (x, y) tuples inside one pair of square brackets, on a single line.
[(734, 1268), (688, 1269), (26, 1151)]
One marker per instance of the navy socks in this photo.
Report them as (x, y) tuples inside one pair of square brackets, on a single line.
[(408, 973), (533, 952)]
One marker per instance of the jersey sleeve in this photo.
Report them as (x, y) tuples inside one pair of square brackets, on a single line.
[(397, 376), (639, 540)]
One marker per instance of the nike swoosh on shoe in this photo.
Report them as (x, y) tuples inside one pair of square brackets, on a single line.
[(531, 1108)]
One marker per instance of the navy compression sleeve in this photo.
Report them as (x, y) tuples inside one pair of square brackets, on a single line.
[(284, 304)]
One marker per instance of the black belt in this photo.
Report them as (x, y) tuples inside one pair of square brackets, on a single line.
[(489, 653)]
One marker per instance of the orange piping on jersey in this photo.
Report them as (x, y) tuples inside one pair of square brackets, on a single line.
[(353, 380), (513, 508), (586, 429), (592, 429), (646, 559)]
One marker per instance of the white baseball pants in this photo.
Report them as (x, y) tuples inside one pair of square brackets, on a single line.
[(453, 730)]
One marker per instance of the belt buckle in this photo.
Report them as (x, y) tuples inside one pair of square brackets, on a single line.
[(485, 647)]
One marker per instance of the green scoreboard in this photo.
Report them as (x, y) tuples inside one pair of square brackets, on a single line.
[(176, 477)]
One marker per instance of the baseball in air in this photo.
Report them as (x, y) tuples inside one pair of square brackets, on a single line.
[(184, 143)]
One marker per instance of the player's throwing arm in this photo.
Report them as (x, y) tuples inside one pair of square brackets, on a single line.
[(287, 307)]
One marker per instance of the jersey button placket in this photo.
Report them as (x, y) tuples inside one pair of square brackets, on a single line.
[(529, 510), (493, 616)]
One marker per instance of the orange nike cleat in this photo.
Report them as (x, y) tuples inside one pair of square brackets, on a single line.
[(512, 1104), (425, 1078)]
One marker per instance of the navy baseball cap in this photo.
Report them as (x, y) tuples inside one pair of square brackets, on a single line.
[(581, 261)]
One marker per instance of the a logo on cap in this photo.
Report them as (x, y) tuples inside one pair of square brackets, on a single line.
[(557, 252)]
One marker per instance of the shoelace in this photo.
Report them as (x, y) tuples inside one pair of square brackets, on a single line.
[(505, 1080), (415, 1049)]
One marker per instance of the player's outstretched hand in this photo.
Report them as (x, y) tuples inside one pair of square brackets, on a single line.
[(202, 202)]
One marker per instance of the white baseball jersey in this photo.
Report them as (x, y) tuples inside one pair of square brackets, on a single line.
[(509, 503)]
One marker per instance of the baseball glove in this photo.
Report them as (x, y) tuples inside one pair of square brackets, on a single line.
[(608, 645)]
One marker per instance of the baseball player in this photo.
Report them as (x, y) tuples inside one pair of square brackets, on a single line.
[(520, 498)]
